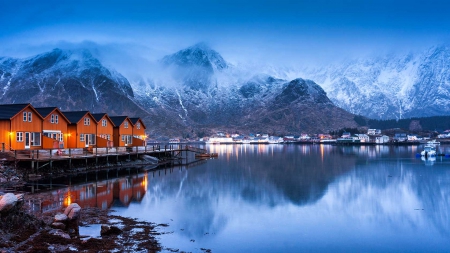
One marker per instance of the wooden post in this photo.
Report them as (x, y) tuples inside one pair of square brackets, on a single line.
[(51, 165)]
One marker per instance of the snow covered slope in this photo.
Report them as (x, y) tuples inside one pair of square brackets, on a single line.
[(391, 86)]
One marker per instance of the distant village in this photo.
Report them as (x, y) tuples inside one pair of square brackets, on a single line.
[(372, 136)]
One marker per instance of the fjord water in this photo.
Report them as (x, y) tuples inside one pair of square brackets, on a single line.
[(302, 198)]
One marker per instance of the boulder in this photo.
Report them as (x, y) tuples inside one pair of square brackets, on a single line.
[(109, 230), (60, 217), (60, 233), (7, 202), (58, 225), (73, 211)]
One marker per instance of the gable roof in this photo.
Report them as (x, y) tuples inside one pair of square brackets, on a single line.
[(135, 120), (8, 111), (75, 116), (118, 120), (99, 116), (45, 112)]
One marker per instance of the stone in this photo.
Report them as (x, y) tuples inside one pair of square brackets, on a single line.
[(60, 233), (58, 225), (60, 217), (73, 211), (109, 230), (7, 202)]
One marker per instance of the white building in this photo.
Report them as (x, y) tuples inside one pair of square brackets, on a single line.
[(373, 131), (381, 139)]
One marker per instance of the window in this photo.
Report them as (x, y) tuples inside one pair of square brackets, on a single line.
[(56, 119), (92, 139), (29, 116), (104, 122), (127, 139), (36, 139), (138, 125), (61, 137), (19, 136), (108, 137), (125, 125), (82, 137), (87, 121), (24, 116), (52, 118)]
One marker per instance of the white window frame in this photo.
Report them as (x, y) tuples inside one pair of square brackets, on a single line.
[(19, 136), (125, 125), (25, 117), (56, 118), (29, 116), (87, 121), (52, 118), (104, 122), (35, 139), (138, 125), (82, 137)]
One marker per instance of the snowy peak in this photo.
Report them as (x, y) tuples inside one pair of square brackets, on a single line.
[(199, 55), (300, 90), (391, 86)]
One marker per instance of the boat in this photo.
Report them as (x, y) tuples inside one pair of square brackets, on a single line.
[(428, 151), (433, 142), (206, 155)]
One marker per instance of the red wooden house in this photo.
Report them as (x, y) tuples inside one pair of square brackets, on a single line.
[(123, 131), (54, 127), (139, 136), (105, 130), (20, 127), (82, 130)]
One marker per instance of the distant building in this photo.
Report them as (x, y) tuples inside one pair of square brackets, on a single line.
[(382, 139), (400, 137), (373, 131), (346, 135), (363, 137)]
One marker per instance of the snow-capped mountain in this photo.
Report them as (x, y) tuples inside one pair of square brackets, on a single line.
[(211, 94), (195, 93), (71, 80), (391, 86)]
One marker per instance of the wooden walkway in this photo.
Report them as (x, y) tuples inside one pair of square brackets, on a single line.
[(43, 157)]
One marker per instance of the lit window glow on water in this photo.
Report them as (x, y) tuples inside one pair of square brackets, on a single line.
[(297, 198), (289, 198)]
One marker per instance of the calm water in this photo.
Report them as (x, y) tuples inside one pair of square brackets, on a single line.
[(297, 198)]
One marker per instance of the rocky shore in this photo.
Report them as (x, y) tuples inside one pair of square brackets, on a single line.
[(23, 231)]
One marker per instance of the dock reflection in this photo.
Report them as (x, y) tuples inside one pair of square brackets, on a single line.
[(102, 194)]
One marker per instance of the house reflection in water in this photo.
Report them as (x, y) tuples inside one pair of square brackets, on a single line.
[(101, 194)]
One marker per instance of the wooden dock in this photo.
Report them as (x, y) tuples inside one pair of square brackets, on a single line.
[(99, 157)]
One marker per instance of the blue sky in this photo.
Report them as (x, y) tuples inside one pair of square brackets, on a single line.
[(263, 30)]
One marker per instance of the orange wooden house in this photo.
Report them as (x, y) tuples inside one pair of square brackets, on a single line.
[(139, 128), (123, 131), (54, 127), (20, 127), (105, 130), (82, 130)]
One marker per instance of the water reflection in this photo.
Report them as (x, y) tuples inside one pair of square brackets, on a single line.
[(294, 198), (102, 194)]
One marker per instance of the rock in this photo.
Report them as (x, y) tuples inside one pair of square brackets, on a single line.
[(60, 217), (7, 202), (73, 211), (58, 225), (60, 233), (109, 230)]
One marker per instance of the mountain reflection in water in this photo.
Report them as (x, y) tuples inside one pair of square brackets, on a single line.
[(296, 198)]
